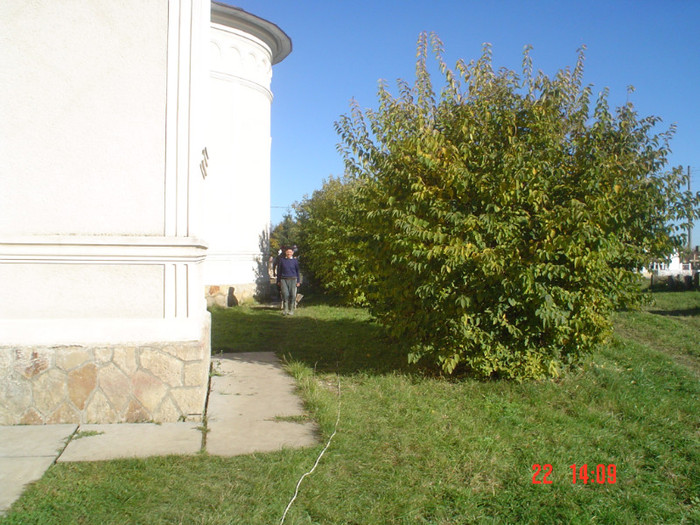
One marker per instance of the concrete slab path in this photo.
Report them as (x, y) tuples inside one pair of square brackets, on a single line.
[(132, 440), (252, 408), (25, 454)]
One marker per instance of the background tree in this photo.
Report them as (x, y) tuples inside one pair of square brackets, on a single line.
[(330, 241), (286, 233), (498, 225)]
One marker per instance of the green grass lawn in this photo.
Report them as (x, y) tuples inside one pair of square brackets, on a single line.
[(415, 448)]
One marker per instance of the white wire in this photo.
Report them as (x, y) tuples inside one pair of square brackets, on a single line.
[(296, 492)]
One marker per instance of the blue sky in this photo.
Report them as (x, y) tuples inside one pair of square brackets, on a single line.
[(342, 48)]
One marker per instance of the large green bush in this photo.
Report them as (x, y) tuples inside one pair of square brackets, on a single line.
[(331, 242), (496, 226)]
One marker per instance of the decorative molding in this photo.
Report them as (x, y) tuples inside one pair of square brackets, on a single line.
[(245, 82), (234, 256), (233, 53), (184, 89), (101, 250), (99, 330)]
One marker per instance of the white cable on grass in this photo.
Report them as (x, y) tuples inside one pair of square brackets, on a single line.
[(296, 492)]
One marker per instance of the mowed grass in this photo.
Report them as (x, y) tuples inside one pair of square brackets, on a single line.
[(414, 448)]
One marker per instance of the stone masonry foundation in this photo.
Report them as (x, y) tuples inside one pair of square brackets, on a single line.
[(221, 295), (104, 384)]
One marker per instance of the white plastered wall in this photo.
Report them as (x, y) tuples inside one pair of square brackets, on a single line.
[(101, 136), (238, 182), (83, 105), (104, 111)]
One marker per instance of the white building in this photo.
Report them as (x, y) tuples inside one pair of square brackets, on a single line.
[(671, 267), (105, 206), (242, 50)]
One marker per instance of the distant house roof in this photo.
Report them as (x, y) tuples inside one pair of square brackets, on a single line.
[(279, 42)]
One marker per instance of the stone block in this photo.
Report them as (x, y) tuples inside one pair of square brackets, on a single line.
[(81, 383), (7, 417), (125, 358), (6, 360), (50, 390), (135, 413), (167, 412), (103, 355), (31, 417), (99, 410), (192, 351), (70, 357), (15, 394), (245, 292), (148, 390), (190, 400), (32, 362), (220, 300), (196, 374), (115, 385), (165, 367), (63, 414)]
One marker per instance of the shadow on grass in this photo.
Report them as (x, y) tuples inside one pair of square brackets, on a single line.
[(688, 312), (327, 339), (312, 298)]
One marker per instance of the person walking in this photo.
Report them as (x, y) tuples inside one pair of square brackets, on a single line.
[(288, 279)]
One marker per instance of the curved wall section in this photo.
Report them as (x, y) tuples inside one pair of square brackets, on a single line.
[(242, 50)]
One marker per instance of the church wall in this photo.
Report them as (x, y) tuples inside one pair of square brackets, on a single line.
[(238, 184), (100, 190)]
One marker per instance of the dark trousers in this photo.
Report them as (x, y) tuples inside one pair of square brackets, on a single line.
[(289, 293)]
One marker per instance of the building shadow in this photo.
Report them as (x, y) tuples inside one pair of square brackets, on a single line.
[(346, 344), (265, 287)]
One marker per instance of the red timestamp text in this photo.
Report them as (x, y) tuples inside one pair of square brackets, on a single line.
[(600, 474)]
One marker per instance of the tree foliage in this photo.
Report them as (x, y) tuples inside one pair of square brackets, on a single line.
[(496, 226), (331, 242), (286, 233)]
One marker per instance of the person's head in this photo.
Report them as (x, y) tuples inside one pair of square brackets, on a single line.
[(289, 253)]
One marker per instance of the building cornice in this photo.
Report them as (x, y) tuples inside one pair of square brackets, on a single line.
[(280, 44)]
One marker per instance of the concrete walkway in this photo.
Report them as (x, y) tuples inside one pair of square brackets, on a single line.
[(252, 408)]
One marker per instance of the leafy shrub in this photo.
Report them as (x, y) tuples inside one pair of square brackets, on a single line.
[(331, 243), (498, 225)]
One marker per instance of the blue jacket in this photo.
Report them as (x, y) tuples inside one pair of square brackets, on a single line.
[(288, 269)]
